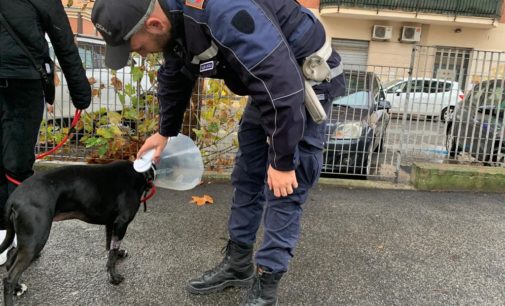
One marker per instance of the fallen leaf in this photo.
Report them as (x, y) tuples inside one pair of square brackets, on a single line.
[(200, 201), (209, 199)]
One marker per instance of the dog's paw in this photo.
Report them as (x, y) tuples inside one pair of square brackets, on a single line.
[(20, 289), (123, 253), (116, 279)]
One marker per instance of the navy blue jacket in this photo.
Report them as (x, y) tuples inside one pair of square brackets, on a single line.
[(261, 46)]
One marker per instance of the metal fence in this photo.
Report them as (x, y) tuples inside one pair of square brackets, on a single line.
[(447, 105), (481, 8)]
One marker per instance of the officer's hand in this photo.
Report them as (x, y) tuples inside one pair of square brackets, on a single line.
[(155, 141), (281, 183)]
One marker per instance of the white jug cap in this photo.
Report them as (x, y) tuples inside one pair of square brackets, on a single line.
[(144, 163)]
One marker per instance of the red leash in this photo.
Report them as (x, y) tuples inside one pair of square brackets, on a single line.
[(77, 116), (150, 195), (72, 126), (153, 192)]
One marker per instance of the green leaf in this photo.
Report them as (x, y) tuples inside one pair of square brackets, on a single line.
[(122, 98), (103, 150), (137, 74), (129, 90), (152, 76), (213, 127), (131, 113), (106, 133), (114, 118)]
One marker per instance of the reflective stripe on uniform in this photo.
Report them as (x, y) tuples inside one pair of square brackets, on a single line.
[(206, 55)]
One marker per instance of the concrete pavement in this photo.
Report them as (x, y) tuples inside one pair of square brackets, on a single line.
[(358, 247)]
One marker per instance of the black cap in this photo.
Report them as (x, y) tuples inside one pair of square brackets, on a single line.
[(117, 21)]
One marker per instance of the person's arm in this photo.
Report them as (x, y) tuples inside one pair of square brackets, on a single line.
[(257, 50), (174, 93), (57, 27)]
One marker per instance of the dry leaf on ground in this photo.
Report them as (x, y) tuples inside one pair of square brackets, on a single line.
[(202, 200)]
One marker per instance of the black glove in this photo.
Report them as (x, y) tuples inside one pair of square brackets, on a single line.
[(81, 104), (82, 99)]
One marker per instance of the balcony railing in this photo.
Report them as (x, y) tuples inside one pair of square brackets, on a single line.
[(475, 8)]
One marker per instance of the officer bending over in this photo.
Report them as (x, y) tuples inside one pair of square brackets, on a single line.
[(258, 47)]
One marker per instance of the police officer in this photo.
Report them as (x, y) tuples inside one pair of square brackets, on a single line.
[(258, 47), (21, 83)]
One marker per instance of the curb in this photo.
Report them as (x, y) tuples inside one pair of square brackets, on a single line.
[(213, 176), (449, 177), (423, 177), (335, 182)]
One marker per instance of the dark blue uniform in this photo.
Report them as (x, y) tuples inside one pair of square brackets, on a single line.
[(257, 47)]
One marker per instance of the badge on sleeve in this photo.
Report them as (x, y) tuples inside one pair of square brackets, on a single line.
[(209, 68), (198, 4)]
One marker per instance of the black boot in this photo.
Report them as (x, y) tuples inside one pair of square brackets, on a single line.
[(264, 289), (235, 270)]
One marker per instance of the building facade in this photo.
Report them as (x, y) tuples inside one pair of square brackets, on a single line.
[(374, 31), (384, 32)]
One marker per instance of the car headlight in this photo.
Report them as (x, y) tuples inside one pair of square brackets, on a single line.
[(348, 130)]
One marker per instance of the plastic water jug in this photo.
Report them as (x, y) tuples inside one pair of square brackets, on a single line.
[(180, 166)]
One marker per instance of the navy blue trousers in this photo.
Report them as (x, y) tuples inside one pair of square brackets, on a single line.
[(253, 201)]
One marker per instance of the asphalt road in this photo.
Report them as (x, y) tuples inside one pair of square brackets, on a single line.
[(358, 247)]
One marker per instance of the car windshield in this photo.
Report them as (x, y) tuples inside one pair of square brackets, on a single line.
[(357, 94), (391, 83), (358, 100)]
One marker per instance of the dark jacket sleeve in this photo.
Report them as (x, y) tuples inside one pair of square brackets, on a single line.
[(257, 50), (58, 29), (174, 92)]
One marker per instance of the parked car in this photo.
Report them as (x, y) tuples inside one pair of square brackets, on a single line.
[(428, 97), (477, 124), (357, 124)]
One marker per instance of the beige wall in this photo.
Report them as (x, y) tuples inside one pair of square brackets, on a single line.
[(395, 53), (314, 4)]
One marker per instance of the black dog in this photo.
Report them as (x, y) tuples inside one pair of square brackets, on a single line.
[(99, 194)]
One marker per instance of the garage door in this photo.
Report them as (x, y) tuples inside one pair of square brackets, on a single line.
[(354, 53)]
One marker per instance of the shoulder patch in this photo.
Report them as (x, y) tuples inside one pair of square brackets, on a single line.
[(243, 22), (198, 4)]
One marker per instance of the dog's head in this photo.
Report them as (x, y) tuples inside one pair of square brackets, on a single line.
[(150, 175)]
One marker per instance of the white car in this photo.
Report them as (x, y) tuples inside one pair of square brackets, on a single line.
[(104, 82), (427, 97)]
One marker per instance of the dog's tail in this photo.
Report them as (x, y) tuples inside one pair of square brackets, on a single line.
[(9, 237)]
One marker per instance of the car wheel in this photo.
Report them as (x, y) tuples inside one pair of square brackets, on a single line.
[(450, 144), (446, 114)]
